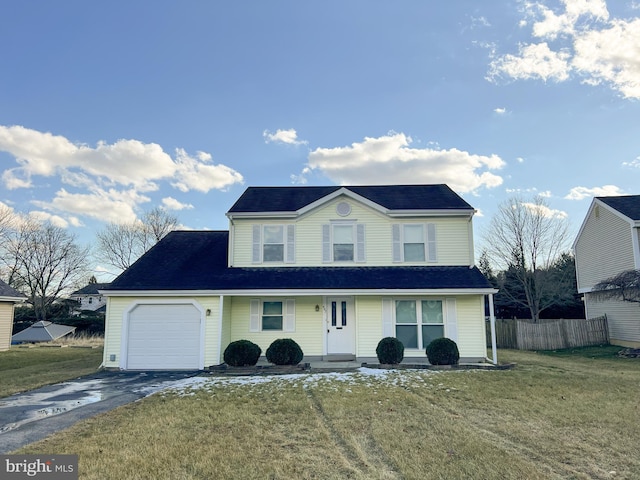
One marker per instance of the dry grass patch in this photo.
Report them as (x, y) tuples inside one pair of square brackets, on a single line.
[(548, 418), (23, 369)]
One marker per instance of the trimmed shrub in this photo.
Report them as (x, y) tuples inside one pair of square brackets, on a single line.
[(242, 353), (443, 351), (284, 351), (390, 350)]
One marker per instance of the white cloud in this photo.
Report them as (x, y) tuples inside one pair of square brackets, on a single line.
[(111, 179), (125, 162), (582, 40), (500, 111), (533, 61), (283, 136), (107, 205), (635, 163), (171, 203), (580, 193), (55, 220), (545, 211), (390, 160), (194, 174)]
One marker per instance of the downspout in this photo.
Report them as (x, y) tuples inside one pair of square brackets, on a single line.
[(492, 320), (220, 317)]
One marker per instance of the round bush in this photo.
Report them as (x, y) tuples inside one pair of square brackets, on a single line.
[(390, 350), (284, 351), (443, 351), (242, 353)]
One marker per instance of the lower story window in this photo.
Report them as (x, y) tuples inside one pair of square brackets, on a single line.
[(418, 322), (272, 316)]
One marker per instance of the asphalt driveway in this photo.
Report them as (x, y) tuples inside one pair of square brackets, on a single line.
[(31, 416)]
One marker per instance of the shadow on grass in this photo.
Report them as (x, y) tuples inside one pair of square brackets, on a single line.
[(596, 351)]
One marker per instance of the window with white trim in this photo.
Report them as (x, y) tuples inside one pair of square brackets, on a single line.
[(272, 314), (414, 242), (273, 243), (418, 322), (343, 242)]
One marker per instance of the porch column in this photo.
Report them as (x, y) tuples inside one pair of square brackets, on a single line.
[(492, 321), (220, 317)]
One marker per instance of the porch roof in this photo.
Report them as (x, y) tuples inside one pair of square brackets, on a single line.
[(197, 260)]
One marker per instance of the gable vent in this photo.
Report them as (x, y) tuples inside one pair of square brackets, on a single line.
[(343, 209)]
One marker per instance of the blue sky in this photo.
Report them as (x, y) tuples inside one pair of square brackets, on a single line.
[(108, 109)]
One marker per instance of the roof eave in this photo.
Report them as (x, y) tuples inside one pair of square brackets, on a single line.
[(301, 292)]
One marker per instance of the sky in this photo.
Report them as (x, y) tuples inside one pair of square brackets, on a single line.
[(109, 109)]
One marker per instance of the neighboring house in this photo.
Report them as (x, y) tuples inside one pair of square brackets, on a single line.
[(89, 297), (8, 298), (335, 268), (609, 243)]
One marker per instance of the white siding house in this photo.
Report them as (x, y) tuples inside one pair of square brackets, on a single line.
[(606, 245)]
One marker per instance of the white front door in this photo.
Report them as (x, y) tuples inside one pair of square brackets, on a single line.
[(340, 323)]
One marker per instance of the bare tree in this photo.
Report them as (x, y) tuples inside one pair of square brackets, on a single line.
[(45, 261), (119, 245), (623, 286), (525, 239)]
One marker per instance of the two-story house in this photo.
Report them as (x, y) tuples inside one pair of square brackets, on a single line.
[(335, 268), (607, 244), (89, 297)]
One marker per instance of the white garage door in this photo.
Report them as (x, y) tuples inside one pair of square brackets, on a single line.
[(164, 337)]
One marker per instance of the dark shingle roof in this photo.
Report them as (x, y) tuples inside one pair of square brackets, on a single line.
[(197, 260), (10, 292), (628, 205), (91, 289), (393, 197)]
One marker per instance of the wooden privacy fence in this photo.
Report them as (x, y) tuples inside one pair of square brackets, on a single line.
[(549, 334)]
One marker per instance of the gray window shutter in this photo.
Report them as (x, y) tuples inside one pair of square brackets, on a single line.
[(326, 243), (387, 318), (431, 243), (256, 256), (397, 242), (289, 316), (291, 244), (451, 325), (360, 246), (254, 314)]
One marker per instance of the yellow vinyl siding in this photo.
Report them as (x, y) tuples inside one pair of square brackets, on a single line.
[(453, 236), (623, 319), (604, 247), (117, 306), (309, 324), (369, 325), (6, 324), (471, 326)]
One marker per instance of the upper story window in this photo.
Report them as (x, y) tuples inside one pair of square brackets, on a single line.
[(273, 243), (414, 242), (343, 242)]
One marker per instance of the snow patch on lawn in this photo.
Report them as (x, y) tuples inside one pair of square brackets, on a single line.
[(368, 377)]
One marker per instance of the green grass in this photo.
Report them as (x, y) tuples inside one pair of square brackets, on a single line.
[(598, 351), (552, 417), (23, 369)]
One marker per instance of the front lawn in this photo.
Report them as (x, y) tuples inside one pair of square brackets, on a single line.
[(549, 418), (23, 369)]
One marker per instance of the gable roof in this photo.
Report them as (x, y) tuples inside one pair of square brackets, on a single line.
[(391, 197), (10, 293), (90, 289), (197, 260), (627, 205)]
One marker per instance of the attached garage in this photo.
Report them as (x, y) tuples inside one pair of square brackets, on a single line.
[(163, 337)]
